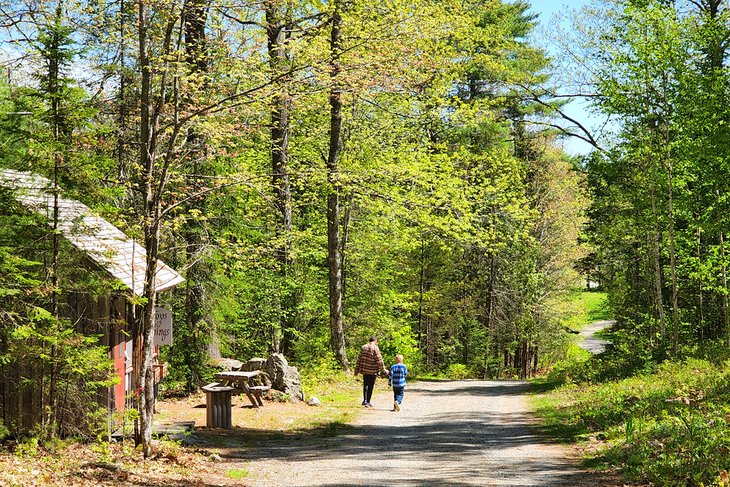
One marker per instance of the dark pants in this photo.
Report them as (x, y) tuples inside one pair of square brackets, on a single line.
[(368, 384), (398, 394)]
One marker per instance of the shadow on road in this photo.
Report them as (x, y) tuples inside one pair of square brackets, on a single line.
[(475, 388)]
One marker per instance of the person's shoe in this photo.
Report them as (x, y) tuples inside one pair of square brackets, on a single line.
[(396, 406), (368, 405), (364, 403)]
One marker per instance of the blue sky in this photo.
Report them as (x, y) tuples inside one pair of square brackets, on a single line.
[(547, 10)]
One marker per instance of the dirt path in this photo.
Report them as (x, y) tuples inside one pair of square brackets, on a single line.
[(451, 433), (592, 343)]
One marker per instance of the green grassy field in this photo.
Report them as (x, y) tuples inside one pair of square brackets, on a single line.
[(585, 308)]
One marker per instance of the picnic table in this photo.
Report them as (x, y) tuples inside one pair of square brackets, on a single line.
[(247, 382)]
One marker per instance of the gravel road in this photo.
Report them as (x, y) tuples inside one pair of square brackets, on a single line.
[(592, 343), (449, 433)]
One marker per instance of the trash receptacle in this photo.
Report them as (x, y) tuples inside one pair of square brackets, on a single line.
[(218, 406)]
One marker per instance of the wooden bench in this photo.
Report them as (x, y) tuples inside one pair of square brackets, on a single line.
[(256, 391)]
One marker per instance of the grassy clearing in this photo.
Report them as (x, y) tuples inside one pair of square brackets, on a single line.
[(340, 394), (668, 426), (585, 307)]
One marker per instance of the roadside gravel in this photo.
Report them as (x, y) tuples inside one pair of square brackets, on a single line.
[(449, 433)]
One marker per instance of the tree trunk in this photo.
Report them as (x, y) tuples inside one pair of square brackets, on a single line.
[(337, 333), (277, 34), (147, 384), (657, 268), (123, 78), (490, 291), (700, 294), (725, 311), (343, 247), (53, 56), (145, 387), (196, 241), (525, 361), (421, 290), (672, 245)]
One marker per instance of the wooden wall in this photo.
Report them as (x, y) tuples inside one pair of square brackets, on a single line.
[(21, 384)]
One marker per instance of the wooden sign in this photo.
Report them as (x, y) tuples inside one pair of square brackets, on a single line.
[(163, 327)]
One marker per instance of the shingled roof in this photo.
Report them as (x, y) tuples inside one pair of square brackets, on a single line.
[(104, 243)]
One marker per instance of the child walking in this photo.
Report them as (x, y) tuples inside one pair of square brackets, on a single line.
[(397, 379)]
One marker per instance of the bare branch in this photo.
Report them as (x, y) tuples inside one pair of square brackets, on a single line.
[(586, 134), (567, 132), (222, 104), (239, 21), (235, 182)]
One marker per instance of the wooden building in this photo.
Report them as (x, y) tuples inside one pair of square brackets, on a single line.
[(111, 315)]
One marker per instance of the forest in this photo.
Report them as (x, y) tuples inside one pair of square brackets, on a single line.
[(323, 171)]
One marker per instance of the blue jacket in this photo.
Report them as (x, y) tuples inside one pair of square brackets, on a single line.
[(398, 374)]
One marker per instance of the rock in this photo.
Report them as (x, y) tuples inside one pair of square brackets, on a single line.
[(284, 377), (277, 396), (215, 458), (276, 367), (258, 363), (255, 363), (214, 351), (227, 364), (313, 401), (264, 379)]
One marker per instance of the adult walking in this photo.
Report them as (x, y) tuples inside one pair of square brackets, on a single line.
[(369, 364)]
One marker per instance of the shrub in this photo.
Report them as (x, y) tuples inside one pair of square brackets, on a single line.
[(457, 372), (4, 432)]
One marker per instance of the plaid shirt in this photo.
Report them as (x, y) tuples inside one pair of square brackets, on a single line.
[(398, 373), (370, 362)]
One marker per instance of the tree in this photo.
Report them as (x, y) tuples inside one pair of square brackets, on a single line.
[(334, 244), (658, 66)]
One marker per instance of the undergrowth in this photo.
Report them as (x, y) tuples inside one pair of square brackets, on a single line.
[(667, 423), (637, 409)]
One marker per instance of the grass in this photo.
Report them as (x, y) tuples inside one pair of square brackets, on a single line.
[(237, 473), (586, 307), (340, 394), (632, 411), (671, 427)]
